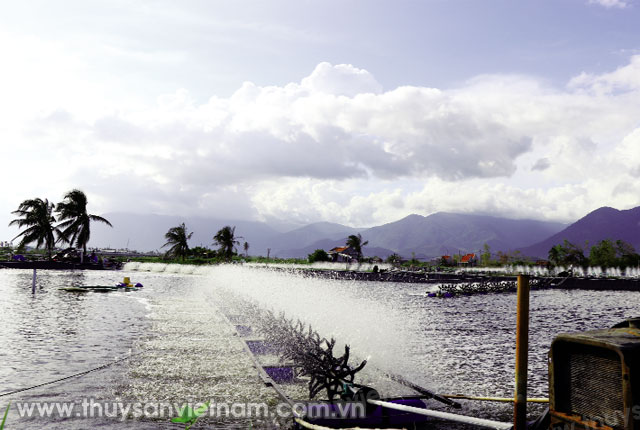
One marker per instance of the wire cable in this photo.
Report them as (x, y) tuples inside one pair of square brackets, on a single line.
[(75, 375)]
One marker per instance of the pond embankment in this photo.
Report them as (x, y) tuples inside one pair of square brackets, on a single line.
[(56, 265), (411, 277)]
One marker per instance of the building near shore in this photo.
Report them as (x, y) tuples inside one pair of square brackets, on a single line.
[(342, 254), (469, 260)]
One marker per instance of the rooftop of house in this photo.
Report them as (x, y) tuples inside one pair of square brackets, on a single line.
[(339, 249), (467, 258)]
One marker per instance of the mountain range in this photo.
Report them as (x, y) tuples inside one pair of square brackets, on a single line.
[(415, 235), (443, 233), (603, 223)]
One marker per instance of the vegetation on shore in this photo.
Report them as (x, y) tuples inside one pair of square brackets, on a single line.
[(46, 224), (227, 241), (605, 254), (177, 239), (213, 258), (75, 221), (355, 242), (318, 255), (37, 218)]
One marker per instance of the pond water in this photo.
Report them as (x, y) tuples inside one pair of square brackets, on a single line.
[(462, 345)]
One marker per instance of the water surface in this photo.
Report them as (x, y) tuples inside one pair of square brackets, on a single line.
[(461, 345)]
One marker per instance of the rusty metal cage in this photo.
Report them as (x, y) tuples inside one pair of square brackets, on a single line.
[(594, 379)]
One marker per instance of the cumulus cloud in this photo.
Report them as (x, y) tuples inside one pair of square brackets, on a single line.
[(314, 130), (342, 80), (627, 154), (623, 79), (336, 146)]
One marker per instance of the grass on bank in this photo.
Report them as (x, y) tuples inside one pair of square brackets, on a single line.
[(4, 419)]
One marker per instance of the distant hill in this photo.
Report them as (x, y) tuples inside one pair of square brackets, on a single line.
[(328, 244), (146, 232), (603, 223), (426, 237), (443, 233), (290, 244), (448, 233)]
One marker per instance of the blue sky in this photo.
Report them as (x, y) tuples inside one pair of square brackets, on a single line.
[(218, 45), (357, 112)]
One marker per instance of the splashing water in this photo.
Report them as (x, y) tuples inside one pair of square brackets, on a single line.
[(465, 345), (184, 269), (346, 311), (325, 266), (591, 271)]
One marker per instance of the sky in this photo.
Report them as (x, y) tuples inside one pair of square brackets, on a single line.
[(357, 112)]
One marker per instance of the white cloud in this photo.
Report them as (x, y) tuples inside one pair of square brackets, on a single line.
[(624, 78), (621, 4), (335, 146), (341, 79)]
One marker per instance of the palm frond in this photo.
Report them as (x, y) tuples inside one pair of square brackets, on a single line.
[(177, 238), (76, 222), (100, 219)]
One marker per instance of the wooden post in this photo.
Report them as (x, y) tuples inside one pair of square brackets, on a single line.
[(522, 350), (33, 282)]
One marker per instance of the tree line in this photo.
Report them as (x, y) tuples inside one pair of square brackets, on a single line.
[(47, 223), (226, 239), (606, 253)]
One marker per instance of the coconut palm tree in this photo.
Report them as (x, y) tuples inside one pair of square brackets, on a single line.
[(178, 238), (355, 243), (37, 216), (394, 259), (227, 241), (76, 230), (246, 249)]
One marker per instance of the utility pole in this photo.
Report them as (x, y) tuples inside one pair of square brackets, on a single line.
[(522, 358)]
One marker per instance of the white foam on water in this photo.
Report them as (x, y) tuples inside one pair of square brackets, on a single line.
[(147, 305), (592, 271), (324, 266), (339, 309), (182, 269), (344, 310)]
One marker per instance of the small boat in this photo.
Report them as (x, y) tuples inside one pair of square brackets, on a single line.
[(87, 288), (126, 285)]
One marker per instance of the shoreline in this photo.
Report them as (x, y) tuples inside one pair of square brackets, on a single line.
[(398, 276), (566, 283), (52, 265)]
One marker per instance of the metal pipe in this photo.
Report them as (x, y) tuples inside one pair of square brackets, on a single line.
[(498, 425), (522, 358), (303, 423), (494, 399), (443, 399)]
